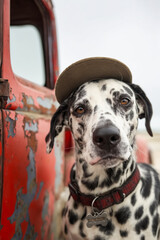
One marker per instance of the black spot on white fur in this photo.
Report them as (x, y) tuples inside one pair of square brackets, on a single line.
[(139, 212), (142, 225), (123, 214)]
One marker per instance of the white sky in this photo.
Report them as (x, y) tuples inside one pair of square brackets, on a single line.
[(126, 30)]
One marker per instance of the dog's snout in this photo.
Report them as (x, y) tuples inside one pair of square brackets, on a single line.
[(106, 136)]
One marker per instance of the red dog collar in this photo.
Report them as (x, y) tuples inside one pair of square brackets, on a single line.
[(114, 196)]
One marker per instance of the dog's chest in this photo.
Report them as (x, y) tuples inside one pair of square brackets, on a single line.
[(129, 220)]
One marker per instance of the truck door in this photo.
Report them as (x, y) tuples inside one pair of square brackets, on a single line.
[(29, 178)]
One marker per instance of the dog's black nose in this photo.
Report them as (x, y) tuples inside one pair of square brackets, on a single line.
[(106, 136)]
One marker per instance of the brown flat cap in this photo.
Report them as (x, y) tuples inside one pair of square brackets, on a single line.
[(90, 69)]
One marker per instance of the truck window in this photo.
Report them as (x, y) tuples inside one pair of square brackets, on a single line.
[(27, 53), (32, 42)]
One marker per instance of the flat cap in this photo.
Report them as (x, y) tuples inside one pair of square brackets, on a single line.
[(90, 69)]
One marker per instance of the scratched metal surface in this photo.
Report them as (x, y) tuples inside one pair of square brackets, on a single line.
[(30, 177)]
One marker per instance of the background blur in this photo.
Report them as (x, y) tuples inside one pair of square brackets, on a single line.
[(126, 30)]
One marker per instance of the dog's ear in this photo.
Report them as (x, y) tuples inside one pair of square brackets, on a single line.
[(58, 120), (144, 106)]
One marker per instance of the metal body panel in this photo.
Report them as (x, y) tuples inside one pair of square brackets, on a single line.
[(29, 176), (30, 179)]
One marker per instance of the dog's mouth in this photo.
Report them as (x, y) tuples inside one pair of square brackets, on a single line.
[(107, 161)]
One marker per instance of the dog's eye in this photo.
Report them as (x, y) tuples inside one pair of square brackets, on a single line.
[(80, 110), (124, 101)]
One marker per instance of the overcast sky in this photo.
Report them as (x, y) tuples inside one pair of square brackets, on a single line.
[(126, 30)]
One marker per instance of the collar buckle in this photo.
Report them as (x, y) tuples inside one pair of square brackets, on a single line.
[(118, 195)]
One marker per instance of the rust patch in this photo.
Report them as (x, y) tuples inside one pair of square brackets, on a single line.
[(30, 130), (11, 125), (23, 200), (28, 104), (45, 105)]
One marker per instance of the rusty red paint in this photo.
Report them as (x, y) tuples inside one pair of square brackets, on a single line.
[(32, 179), (24, 172)]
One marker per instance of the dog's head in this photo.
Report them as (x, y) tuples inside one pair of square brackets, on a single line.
[(103, 117)]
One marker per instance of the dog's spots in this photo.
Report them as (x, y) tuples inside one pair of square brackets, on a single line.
[(81, 125), (79, 151), (156, 185), (158, 235), (103, 88), (81, 94), (139, 213), (123, 233), (112, 90), (107, 113), (125, 164), (95, 108), (110, 172), (70, 123), (107, 230), (108, 100), (73, 217), (142, 225), (98, 238), (81, 160), (64, 211), (86, 173), (133, 199), (123, 214), (80, 143), (142, 237), (106, 183), (84, 214), (111, 213), (128, 90), (116, 95), (131, 115), (91, 185), (155, 224), (65, 229), (132, 166), (75, 205), (118, 175), (79, 130), (73, 173), (82, 234), (132, 128), (152, 207), (146, 185)]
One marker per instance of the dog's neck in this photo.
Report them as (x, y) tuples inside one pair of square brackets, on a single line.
[(98, 180)]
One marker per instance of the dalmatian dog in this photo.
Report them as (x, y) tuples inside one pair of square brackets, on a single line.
[(111, 196)]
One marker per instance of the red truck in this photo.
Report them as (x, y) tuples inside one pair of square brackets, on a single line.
[(30, 179)]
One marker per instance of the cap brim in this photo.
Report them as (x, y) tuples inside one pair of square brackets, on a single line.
[(90, 69)]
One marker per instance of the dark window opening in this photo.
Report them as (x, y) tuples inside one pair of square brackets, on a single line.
[(30, 16)]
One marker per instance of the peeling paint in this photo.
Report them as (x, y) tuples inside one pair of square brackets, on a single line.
[(31, 127), (12, 125), (45, 213), (46, 102), (40, 189), (13, 99), (21, 212), (45, 105)]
